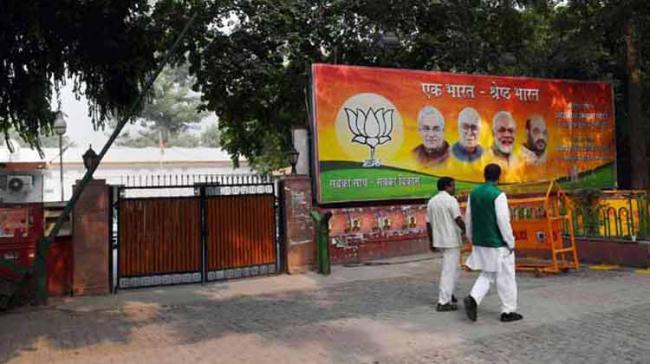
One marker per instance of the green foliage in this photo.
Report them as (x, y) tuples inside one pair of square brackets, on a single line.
[(253, 74), (169, 113), (250, 58), (106, 47), (211, 137), (588, 205), (52, 141), (45, 141)]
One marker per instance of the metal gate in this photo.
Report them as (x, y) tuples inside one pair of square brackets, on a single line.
[(214, 230)]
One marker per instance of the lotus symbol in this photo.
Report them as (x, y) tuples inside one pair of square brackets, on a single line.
[(372, 128)]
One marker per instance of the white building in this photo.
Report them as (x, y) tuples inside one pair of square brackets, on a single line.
[(127, 165)]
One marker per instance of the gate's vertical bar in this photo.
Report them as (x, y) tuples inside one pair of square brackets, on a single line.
[(111, 217), (281, 226), (204, 233), (277, 220), (117, 256)]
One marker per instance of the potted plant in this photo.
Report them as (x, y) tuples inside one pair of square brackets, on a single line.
[(588, 204)]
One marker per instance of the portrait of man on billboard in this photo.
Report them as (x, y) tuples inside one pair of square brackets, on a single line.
[(431, 126), (534, 150), (467, 149), (503, 131)]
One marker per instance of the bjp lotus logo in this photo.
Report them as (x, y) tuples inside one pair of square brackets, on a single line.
[(367, 120), (372, 128)]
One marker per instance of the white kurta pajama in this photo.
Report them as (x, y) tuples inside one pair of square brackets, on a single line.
[(442, 211), (497, 265)]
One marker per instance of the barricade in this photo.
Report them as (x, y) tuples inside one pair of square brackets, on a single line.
[(543, 229)]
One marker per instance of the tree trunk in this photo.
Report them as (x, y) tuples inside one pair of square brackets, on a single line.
[(637, 136)]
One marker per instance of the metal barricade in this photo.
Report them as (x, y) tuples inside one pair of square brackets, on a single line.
[(542, 226)]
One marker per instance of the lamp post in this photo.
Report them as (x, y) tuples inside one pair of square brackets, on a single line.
[(60, 127), (91, 159), (293, 159)]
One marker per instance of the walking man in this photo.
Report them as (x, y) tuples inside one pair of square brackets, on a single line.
[(488, 228), (443, 213)]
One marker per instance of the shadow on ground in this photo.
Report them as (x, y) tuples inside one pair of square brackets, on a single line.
[(296, 319)]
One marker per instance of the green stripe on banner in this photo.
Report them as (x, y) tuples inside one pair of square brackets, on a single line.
[(347, 182)]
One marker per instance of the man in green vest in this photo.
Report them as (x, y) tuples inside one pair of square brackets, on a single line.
[(487, 220)]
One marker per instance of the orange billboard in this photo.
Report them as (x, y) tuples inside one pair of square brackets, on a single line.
[(384, 134)]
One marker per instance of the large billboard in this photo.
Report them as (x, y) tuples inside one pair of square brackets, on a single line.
[(382, 134)]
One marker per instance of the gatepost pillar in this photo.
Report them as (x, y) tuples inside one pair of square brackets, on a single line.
[(91, 240), (297, 248)]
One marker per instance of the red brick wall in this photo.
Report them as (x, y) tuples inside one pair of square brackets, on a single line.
[(91, 246), (59, 267), (22, 248), (298, 247)]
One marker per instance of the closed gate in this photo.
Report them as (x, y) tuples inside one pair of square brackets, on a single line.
[(204, 232)]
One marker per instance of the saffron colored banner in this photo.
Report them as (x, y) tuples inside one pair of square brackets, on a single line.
[(382, 134)]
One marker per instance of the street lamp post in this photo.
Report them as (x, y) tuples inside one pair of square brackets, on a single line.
[(60, 127), (90, 158), (293, 159)]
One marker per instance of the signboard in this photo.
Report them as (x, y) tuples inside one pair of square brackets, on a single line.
[(383, 134), (13, 220)]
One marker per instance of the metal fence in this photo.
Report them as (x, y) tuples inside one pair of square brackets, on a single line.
[(619, 214), (168, 180)]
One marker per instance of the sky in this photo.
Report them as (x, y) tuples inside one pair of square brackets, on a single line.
[(80, 128)]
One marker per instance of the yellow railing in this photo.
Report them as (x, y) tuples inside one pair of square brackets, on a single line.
[(618, 214)]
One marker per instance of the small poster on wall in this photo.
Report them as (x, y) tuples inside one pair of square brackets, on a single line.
[(13, 221)]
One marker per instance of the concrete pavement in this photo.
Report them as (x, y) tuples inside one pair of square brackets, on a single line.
[(366, 314)]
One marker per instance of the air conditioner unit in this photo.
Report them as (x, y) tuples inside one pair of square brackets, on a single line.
[(21, 188), (19, 184)]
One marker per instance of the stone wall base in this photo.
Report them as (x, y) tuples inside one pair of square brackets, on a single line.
[(605, 251)]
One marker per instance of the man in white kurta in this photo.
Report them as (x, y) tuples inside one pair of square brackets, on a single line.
[(444, 217), (487, 220)]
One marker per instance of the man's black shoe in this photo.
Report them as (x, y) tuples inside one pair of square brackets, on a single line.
[(470, 307), (511, 316), (446, 307), (453, 299)]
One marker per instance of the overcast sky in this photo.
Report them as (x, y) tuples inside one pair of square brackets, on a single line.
[(80, 128)]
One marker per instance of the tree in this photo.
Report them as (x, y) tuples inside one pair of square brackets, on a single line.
[(107, 47), (45, 141), (254, 74), (608, 39), (251, 57), (169, 114), (629, 40), (52, 141), (211, 137)]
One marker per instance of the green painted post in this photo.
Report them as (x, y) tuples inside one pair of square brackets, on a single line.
[(642, 210), (321, 223)]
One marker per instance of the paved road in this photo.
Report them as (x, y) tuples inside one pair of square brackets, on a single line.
[(366, 314)]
